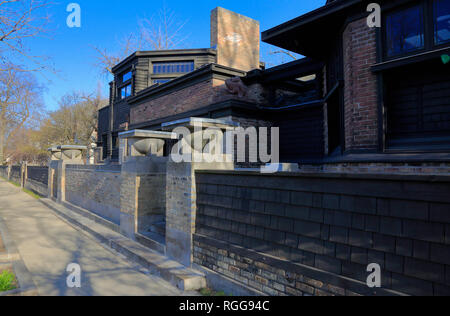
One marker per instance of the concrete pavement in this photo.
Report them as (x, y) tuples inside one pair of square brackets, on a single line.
[(48, 245)]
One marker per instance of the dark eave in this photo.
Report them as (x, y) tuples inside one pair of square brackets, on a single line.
[(163, 53), (293, 70), (217, 110), (308, 33), (204, 73)]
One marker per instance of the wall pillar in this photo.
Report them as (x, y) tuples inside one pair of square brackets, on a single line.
[(60, 157), (181, 205), (143, 164), (23, 175)]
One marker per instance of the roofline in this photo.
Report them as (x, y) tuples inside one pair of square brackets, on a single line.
[(309, 17), (300, 67), (171, 52), (187, 79)]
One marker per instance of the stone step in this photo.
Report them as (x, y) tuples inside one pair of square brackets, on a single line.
[(184, 278), (158, 228), (153, 241)]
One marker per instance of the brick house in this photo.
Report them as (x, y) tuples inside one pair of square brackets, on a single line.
[(385, 89), (363, 98), (157, 86)]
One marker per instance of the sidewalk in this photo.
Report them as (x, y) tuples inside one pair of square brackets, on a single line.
[(48, 245)]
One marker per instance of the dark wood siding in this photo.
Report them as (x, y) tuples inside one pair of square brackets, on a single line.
[(141, 79), (103, 122), (121, 113), (301, 134), (418, 107)]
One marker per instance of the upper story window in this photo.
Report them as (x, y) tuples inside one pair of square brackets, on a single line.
[(125, 85), (405, 31), (127, 76), (161, 81), (125, 91), (423, 26), (441, 17), (173, 67)]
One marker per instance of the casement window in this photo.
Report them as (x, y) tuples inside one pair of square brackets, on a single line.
[(125, 91), (173, 67), (421, 27), (125, 86), (416, 82), (405, 31), (127, 76), (441, 19)]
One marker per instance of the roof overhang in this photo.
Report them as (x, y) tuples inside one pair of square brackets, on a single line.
[(162, 53), (289, 71), (207, 72), (310, 33)]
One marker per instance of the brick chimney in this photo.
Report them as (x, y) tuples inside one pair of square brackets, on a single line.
[(236, 38)]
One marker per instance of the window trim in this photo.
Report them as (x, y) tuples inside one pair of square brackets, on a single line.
[(429, 36), (399, 8), (436, 45), (172, 62), (124, 84)]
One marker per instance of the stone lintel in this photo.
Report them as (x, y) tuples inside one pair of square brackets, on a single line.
[(148, 134), (204, 123)]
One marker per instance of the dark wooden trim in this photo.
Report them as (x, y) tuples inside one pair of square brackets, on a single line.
[(205, 73), (182, 53), (291, 70), (404, 61), (335, 175), (230, 107), (313, 16)]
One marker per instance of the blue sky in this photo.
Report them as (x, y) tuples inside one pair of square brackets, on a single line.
[(104, 22)]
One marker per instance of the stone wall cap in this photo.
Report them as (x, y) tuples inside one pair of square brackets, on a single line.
[(72, 147), (197, 121), (54, 149), (148, 134)]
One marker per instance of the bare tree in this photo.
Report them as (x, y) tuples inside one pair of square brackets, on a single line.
[(106, 60), (287, 53), (74, 122), (20, 98), (21, 20), (160, 32)]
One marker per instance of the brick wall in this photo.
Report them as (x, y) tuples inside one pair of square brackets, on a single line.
[(16, 174), (360, 91), (151, 200), (37, 173), (37, 180), (326, 228), (4, 172), (190, 98), (412, 168), (94, 188)]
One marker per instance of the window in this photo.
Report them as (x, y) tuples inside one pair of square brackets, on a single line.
[(127, 76), (173, 67), (441, 18), (125, 91), (405, 31), (161, 81)]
